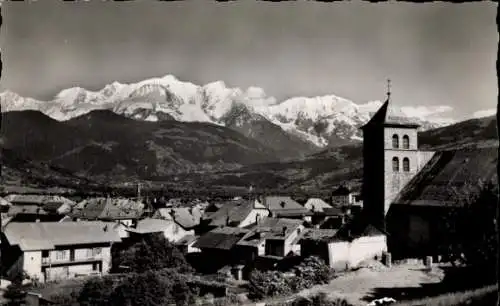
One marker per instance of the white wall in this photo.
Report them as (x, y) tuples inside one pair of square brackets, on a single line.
[(175, 232), (345, 254), (32, 264)]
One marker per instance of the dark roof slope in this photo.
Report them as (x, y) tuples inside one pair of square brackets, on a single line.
[(284, 206), (231, 212), (450, 177), (388, 116), (341, 191), (222, 238)]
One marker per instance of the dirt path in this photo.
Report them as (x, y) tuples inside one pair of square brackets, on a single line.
[(357, 285)]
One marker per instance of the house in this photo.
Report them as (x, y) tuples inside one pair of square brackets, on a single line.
[(57, 250), (236, 213), (345, 248), (121, 210), (186, 244), (218, 248), (187, 217), (272, 237), (170, 230), (29, 208), (285, 207), (316, 205), (407, 192), (342, 196)]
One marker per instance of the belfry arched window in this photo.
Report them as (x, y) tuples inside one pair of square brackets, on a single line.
[(395, 141), (406, 142), (406, 164), (395, 164)]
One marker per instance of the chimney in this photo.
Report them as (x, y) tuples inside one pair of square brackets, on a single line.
[(284, 231)]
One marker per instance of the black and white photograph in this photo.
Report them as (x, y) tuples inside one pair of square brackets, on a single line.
[(253, 153)]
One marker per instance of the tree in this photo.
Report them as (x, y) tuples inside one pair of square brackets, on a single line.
[(471, 228), (153, 252), (144, 289), (96, 292)]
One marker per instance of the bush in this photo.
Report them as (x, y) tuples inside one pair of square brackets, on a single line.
[(96, 292), (14, 294), (152, 252), (312, 271)]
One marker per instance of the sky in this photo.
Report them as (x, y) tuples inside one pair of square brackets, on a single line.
[(434, 53)]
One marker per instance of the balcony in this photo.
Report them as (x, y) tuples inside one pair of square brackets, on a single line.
[(47, 261)]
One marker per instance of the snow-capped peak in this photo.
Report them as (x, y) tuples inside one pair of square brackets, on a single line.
[(314, 119)]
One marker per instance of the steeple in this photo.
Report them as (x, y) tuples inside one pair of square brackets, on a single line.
[(386, 115), (388, 89)]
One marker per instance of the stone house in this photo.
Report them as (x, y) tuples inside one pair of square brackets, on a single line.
[(57, 250)]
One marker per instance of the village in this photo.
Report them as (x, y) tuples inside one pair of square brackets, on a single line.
[(396, 218)]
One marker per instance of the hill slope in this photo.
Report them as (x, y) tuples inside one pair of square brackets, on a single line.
[(102, 143)]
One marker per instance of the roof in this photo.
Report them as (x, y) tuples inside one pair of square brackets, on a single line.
[(357, 228), (26, 209), (187, 239), (451, 176), (35, 236), (390, 116), (271, 228), (150, 225), (341, 191), (282, 204), (333, 211), (108, 209), (319, 234), (316, 204), (233, 211), (223, 238), (41, 200), (186, 217)]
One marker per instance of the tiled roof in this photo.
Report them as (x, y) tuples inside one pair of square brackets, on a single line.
[(277, 204), (341, 191), (333, 211), (150, 225), (451, 176), (108, 209), (319, 234), (388, 115), (316, 204), (272, 228), (223, 238), (48, 235), (231, 211), (186, 239), (186, 217)]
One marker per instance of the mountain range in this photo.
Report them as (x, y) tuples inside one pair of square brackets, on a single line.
[(165, 130), (307, 124)]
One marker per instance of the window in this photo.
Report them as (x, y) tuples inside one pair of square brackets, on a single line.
[(93, 252), (395, 141), (395, 164), (406, 164), (60, 255), (45, 254), (406, 142)]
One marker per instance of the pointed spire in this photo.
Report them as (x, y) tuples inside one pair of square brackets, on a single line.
[(388, 89)]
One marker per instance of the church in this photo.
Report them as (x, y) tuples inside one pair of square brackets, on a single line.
[(407, 191)]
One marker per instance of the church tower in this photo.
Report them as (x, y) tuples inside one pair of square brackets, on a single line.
[(390, 159)]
